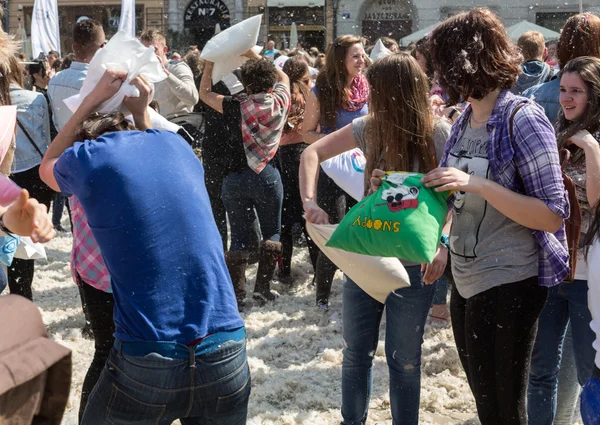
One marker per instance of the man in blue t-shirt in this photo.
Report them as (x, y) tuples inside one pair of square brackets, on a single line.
[(179, 339), (271, 50)]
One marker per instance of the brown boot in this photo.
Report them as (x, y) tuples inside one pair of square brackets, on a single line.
[(237, 261), (269, 254)]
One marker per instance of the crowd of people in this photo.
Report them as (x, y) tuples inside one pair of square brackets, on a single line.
[(513, 129)]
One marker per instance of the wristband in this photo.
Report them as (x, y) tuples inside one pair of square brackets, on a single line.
[(3, 227), (445, 240), (452, 113)]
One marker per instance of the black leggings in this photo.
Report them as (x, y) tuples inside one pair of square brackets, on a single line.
[(336, 203), (100, 311), (289, 160), (20, 272), (214, 173), (494, 333)]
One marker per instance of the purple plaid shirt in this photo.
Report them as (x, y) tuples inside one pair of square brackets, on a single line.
[(529, 164)]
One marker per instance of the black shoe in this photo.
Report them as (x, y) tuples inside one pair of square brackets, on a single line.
[(86, 332), (59, 228)]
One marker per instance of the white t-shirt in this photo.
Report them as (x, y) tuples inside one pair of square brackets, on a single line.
[(581, 270), (594, 295)]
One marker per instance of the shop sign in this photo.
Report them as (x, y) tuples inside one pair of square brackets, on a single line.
[(387, 10), (212, 10)]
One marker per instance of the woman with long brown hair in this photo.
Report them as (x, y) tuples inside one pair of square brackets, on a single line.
[(339, 96), (552, 395), (578, 122), (507, 241), (290, 148), (587, 146), (397, 134)]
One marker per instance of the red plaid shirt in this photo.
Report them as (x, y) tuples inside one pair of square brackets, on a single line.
[(263, 118)]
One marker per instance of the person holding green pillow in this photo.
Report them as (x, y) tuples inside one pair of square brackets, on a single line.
[(507, 242), (397, 134)]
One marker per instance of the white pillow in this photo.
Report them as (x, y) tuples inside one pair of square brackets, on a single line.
[(377, 276), (125, 53), (347, 170), (227, 47), (379, 51)]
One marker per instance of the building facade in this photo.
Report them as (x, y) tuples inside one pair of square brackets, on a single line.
[(149, 13), (399, 18), (318, 22)]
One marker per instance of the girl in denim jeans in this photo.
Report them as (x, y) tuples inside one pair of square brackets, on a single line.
[(578, 131), (398, 134)]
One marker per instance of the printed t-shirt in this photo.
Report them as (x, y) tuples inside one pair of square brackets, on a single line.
[(488, 249), (594, 295), (147, 205), (343, 117)]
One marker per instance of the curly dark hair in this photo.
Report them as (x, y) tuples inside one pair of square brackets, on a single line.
[(258, 75), (473, 55), (580, 36)]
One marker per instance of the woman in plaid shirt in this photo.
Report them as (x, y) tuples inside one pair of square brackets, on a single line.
[(507, 240)]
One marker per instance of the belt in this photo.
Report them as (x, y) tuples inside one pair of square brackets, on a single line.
[(175, 350), (596, 372)]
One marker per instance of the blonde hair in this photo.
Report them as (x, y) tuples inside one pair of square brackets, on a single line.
[(151, 35), (532, 45)]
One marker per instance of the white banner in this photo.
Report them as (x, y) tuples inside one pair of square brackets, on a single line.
[(45, 35), (127, 19)]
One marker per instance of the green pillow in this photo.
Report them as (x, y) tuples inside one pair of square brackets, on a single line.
[(403, 219)]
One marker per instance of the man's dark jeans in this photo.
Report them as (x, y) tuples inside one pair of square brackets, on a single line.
[(212, 388)]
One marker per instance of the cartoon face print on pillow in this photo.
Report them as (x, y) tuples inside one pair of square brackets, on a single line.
[(406, 225)]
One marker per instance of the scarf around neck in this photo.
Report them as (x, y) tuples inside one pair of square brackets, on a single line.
[(359, 94)]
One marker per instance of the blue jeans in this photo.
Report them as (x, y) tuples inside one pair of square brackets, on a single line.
[(153, 390), (406, 314), (441, 293), (567, 303), (568, 386), (590, 402), (243, 191)]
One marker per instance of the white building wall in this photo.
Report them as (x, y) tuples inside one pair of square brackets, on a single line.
[(428, 12)]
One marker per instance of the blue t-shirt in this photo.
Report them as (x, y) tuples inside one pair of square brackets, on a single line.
[(147, 206), (343, 117)]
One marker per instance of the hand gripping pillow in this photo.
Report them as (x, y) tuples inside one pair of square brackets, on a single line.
[(403, 219)]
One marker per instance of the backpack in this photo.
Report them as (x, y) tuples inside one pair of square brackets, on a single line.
[(573, 223), (193, 124)]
